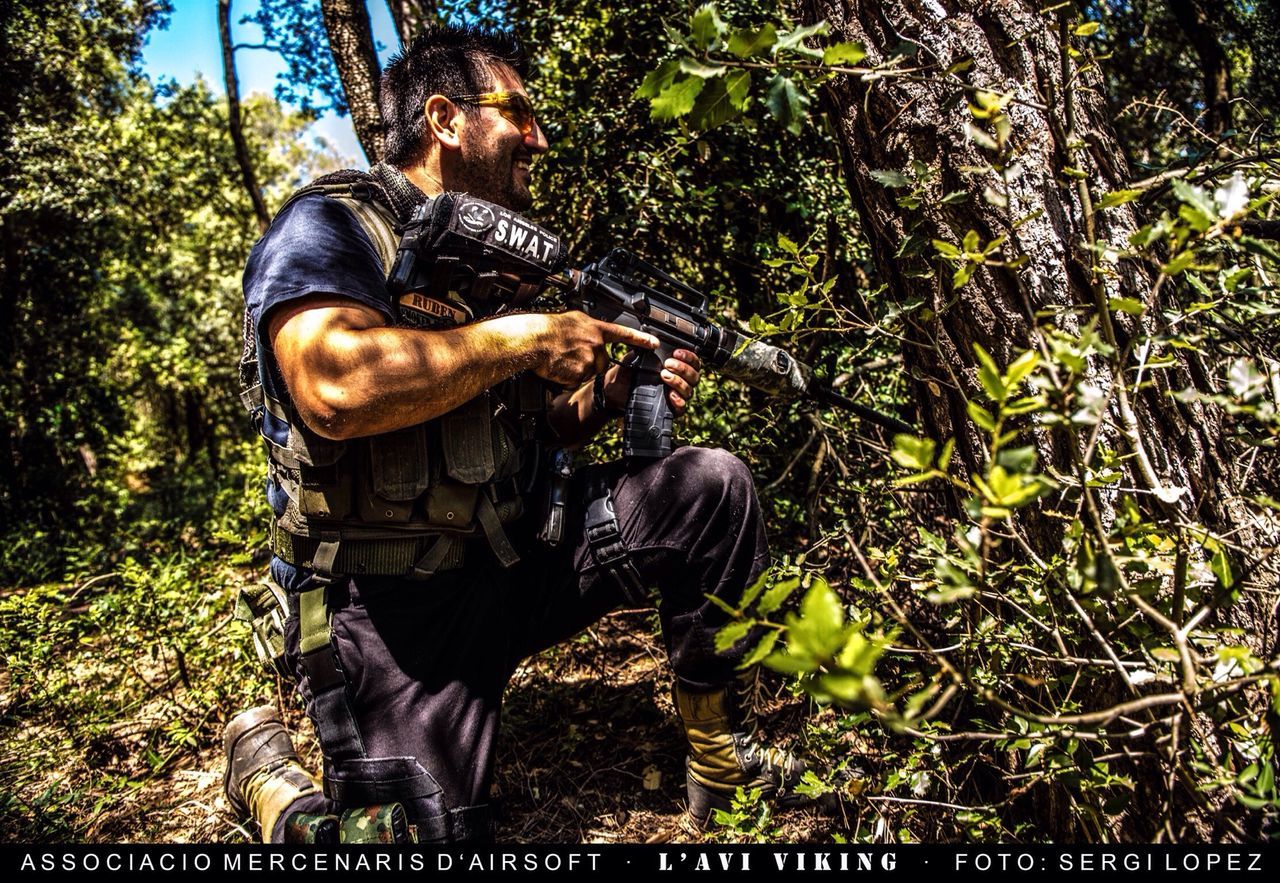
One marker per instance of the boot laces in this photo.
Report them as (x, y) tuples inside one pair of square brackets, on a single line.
[(775, 764)]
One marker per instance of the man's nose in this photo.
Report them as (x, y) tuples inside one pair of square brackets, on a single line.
[(535, 140)]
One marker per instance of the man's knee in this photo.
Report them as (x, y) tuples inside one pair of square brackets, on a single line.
[(710, 475)]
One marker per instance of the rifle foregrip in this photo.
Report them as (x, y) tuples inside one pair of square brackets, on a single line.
[(646, 429)]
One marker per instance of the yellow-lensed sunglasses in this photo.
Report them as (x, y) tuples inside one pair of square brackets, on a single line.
[(515, 107)]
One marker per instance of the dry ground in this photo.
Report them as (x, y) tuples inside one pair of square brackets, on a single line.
[(591, 751)]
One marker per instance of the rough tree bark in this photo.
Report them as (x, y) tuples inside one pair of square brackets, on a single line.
[(1196, 20), (889, 123), (351, 40), (235, 126), (411, 16), (1179, 450)]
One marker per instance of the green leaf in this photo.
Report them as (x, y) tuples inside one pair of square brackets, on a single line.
[(716, 104), (913, 453), (844, 54), (1195, 197), (1178, 264), (819, 630), (732, 634), (1020, 368), (657, 81), (777, 594), (946, 249), (706, 26), (1130, 305), (763, 649), (677, 99), (848, 689), (890, 178), (1258, 246), (944, 459), (746, 43), (963, 275), (822, 606), (1117, 197), (972, 242), (790, 663), (793, 40), (981, 416), (1018, 459), (1220, 564), (786, 103), (753, 591), (1199, 221), (1087, 29), (989, 374)]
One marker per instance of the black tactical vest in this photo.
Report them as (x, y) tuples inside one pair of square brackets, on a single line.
[(403, 503)]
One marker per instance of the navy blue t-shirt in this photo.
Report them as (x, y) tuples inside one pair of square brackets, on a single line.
[(314, 246)]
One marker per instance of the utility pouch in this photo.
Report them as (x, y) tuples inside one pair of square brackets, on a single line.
[(400, 471), (324, 492), (452, 505), (466, 436), (323, 488), (263, 607)]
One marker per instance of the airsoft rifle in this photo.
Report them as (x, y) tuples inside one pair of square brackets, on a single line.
[(456, 242)]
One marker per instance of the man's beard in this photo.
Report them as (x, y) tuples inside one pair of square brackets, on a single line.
[(492, 176)]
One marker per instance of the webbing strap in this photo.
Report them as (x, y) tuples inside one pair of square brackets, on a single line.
[(335, 724), (487, 515), (605, 540), (437, 555)]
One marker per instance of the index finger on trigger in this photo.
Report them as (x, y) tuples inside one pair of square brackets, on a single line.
[(623, 334)]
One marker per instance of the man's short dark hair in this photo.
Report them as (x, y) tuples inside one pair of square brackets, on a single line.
[(445, 59)]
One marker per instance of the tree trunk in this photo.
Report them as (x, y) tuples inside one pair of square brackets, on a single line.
[(411, 16), (1060, 153), (1194, 18), (351, 40), (233, 116)]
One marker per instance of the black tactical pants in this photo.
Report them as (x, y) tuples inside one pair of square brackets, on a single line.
[(426, 662)]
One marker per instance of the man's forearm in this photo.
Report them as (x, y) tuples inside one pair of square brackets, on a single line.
[(384, 378), (573, 418)]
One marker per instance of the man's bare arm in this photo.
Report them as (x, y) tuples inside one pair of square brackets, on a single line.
[(352, 375)]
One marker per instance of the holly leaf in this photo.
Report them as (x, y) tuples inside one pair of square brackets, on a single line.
[(786, 103), (762, 649), (890, 178), (747, 43), (989, 374), (718, 104), (732, 634), (677, 99), (655, 82), (777, 594), (706, 26), (844, 54)]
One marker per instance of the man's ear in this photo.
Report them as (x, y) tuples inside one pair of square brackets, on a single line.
[(444, 120)]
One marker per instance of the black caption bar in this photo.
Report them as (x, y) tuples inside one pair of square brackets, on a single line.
[(35, 861)]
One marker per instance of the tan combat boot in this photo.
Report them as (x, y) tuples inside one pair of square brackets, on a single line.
[(264, 775), (725, 754)]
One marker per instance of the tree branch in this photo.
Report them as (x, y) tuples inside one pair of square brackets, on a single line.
[(239, 144)]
